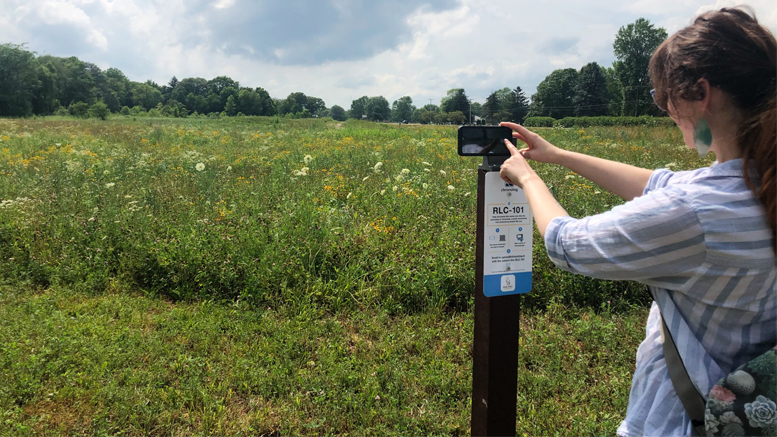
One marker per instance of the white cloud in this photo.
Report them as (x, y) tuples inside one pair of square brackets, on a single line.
[(479, 45)]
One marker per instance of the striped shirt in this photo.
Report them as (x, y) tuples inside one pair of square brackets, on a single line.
[(700, 241)]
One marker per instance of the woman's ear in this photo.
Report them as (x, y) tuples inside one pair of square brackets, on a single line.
[(703, 93)]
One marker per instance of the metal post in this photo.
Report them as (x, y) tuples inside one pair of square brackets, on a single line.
[(495, 348)]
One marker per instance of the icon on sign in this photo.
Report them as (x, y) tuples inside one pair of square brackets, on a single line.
[(508, 250), (519, 237), (520, 229), (497, 230), (503, 237), (508, 283)]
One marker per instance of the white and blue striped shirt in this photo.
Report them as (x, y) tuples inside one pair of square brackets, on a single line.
[(701, 241)]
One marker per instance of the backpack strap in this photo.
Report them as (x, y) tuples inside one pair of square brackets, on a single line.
[(692, 400)]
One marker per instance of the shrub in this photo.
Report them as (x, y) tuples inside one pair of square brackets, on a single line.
[(539, 122), (614, 121), (78, 109), (99, 110)]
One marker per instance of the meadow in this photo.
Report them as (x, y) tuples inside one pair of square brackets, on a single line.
[(257, 275)]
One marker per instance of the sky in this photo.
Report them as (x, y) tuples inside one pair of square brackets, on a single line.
[(340, 50)]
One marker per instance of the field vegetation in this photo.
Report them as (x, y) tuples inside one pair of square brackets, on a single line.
[(256, 275)]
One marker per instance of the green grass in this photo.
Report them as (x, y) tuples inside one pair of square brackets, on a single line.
[(261, 276), (126, 364)]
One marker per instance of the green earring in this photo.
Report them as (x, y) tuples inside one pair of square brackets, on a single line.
[(702, 137)]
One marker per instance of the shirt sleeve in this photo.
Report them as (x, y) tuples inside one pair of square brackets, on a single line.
[(655, 239)]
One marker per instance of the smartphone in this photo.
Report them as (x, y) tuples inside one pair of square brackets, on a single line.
[(484, 140)]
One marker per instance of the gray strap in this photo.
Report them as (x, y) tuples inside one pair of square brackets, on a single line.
[(690, 397)]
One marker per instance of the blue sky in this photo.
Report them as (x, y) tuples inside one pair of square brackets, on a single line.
[(339, 50)]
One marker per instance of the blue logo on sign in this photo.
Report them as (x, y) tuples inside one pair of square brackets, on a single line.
[(497, 229), (508, 250), (520, 229)]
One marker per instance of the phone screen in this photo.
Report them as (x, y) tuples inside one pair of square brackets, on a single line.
[(484, 140)]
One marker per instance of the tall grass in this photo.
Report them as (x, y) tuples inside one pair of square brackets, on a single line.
[(344, 215)]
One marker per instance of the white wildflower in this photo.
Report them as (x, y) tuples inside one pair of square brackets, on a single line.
[(303, 172), (110, 185), (427, 170), (307, 159), (671, 164), (426, 164), (200, 166), (395, 188), (404, 172), (349, 195), (382, 192), (365, 178), (442, 172), (229, 168), (377, 167), (425, 185), (569, 176), (451, 188)]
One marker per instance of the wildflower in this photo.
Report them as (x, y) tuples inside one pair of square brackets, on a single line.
[(229, 168), (426, 164), (671, 164), (307, 159), (404, 172), (348, 196), (110, 185), (377, 167), (451, 188), (377, 398), (382, 192), (200, 166), (364, 179), (303, 172), (395, 188), (425, 185), (442, 172)]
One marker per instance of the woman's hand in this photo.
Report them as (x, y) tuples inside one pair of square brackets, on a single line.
[(537, 149), (516, 170)]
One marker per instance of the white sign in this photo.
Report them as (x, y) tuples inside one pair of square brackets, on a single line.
[(507, 239)]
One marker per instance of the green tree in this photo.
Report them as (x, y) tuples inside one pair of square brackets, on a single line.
[(455, 100), (402, 109), (634, 45), (591, 92), (338, 113), (18, 80), (456, 117), (99, 110), (555, 94), (194, 85), (315, 105), (119, 85), (614, 92), (491, 107), (265, 103), (378, 109), (519, 105), (359, 107), (78, 109), (145, 95), (230, 107)]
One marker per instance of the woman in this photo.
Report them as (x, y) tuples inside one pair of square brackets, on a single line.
[(702, 240)]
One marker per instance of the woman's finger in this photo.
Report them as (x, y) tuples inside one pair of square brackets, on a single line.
[(513, 150)]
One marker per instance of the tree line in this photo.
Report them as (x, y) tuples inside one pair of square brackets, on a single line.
[(43, 85)]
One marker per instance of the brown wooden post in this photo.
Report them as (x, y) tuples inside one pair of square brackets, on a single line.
[(495, 347)]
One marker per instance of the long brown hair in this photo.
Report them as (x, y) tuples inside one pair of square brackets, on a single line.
[(739, 56)]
